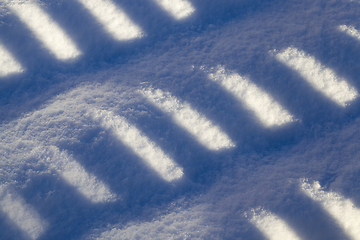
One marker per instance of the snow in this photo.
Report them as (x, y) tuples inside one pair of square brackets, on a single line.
[(115, 144), (272, 226), (45, 29), (74, 174), (350, 30), (113, 18), (8, 63), (178, 8), (205, 132), (320, 77), (26, 218), (343, 210), (268, 111), (140, 144)]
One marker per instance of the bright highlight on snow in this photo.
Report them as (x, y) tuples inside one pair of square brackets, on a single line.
[(73, 173), (46, 30), (350, 30), (23, 215), (140, 144), (204, 131), (320, 78), (8, 64), (266, 109), (177, 8), (115, 21), (341, 209), (272, 226)]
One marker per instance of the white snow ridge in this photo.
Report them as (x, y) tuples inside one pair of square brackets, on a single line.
[(74, 174), (266, 109), (8, 65), (45, 29), (204, 131), (23, 215), (320, 78), (350, 30), (272, 226), (140, 144), (179, 9), (340, 208), (115, 21)]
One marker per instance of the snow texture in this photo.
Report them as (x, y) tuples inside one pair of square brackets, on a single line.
[(268, 111), (341, 209), (272, 226), (350, 30), (320, 77), (74, 174), (205, 132), (45, 29), (8, 64), (141, 145), (179, 119), (178, 8), (113, 18), (26, 218)]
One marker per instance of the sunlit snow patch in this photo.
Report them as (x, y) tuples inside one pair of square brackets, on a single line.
[(45, 29), (272, 226), (350, 30), (23, 215), (73, 173), (321, 78), (8, 64), (177, 8), (266, 109), (140, 144), (115, 21), (341, 209), (204, 131)]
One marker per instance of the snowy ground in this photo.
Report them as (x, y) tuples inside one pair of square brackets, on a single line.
[(174, 119)]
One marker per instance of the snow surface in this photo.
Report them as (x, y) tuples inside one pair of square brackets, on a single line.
[(8, 63), (264, 107), (85, 154), (45, 29), (272, 226), (113, 18), (178, 8), (204, 131)]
